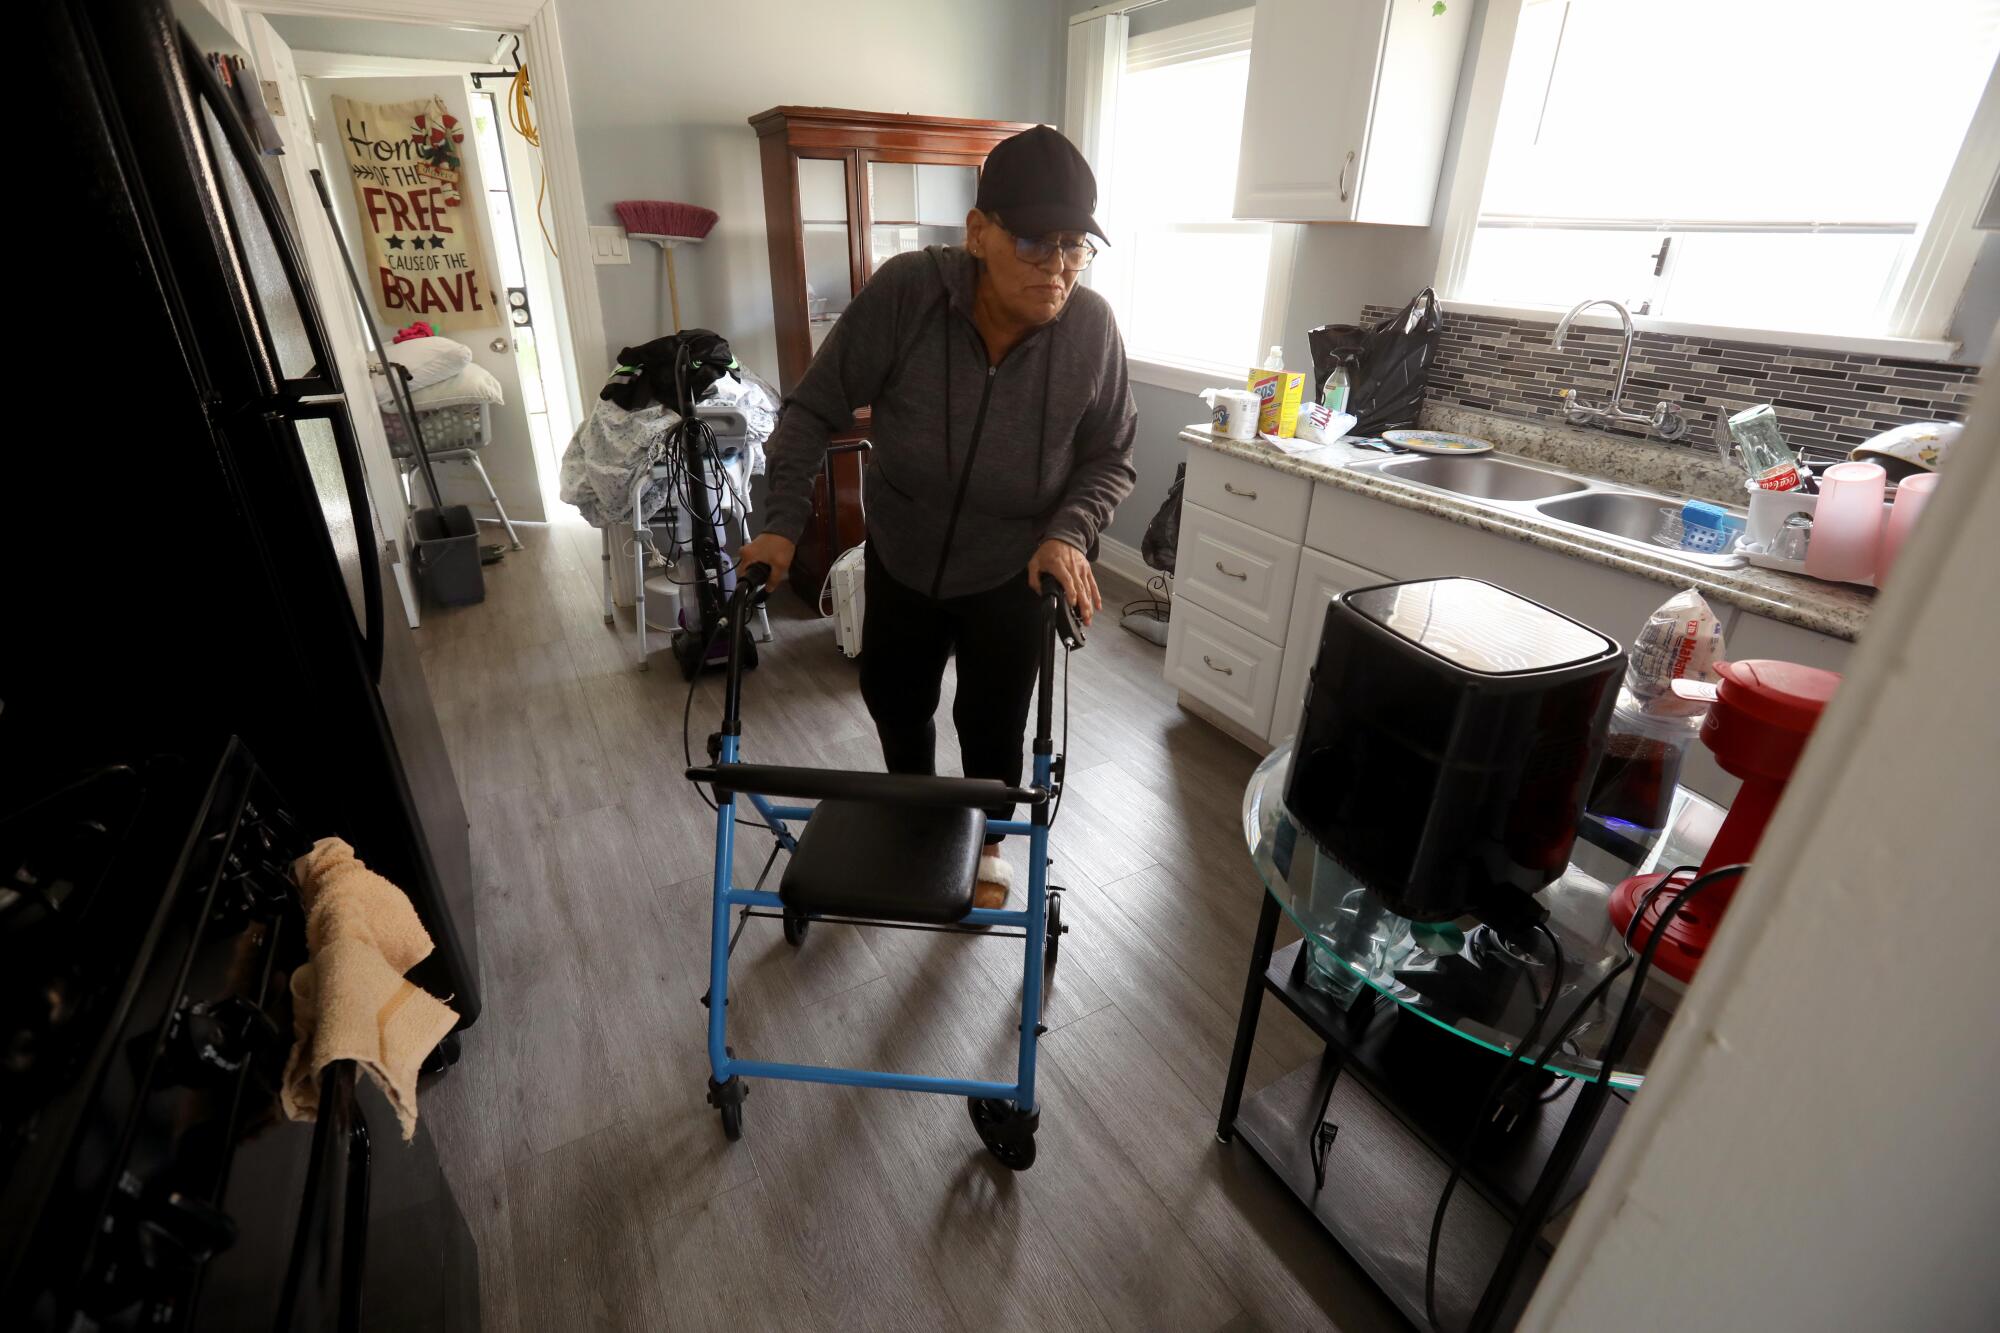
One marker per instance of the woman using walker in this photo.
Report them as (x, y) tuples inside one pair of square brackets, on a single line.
[(1002, 442)]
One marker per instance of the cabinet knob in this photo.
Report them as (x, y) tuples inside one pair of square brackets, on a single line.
[(1209, 662), (1241, 495), (1230, 573), (1345, 167)]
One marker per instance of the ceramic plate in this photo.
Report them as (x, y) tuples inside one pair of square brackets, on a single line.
[(1436, 442)]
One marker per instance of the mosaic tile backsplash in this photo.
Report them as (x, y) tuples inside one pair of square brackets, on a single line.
[(1831, 400)]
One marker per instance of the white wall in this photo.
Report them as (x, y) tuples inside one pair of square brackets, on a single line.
[(1978, 310), (1814, 1148), (1340, 267), (380, 37), (662, 91)]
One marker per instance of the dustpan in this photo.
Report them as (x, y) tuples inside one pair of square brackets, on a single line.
[(447, 536)]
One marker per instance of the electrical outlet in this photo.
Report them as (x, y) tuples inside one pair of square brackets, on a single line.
[(608, 245)]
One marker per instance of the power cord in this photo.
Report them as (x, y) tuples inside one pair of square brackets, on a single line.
[(1646, 902), (522, 117), (1155, 602), (1506, 1076), (1624, 1031)]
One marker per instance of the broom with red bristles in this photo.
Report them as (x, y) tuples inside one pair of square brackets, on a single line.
[(667, 226)]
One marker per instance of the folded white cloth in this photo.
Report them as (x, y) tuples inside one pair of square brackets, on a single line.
[(429, 361), (473, 383)]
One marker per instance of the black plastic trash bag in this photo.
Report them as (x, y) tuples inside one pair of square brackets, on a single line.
[(1387, 365), (1163, 534)]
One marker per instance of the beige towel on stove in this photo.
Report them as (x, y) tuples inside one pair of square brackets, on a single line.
[(351, 1002)]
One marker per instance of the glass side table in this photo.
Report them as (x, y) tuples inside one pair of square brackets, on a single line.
[(1416, 1019)]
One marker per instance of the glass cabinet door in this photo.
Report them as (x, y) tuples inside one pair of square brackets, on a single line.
[(824, 218), (915, 204)]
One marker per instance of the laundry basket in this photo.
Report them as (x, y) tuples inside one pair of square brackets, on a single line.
[(458, 426)]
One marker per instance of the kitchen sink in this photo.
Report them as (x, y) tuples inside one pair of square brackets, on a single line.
[(1583, 504), (1618, 513), (1483, 477)]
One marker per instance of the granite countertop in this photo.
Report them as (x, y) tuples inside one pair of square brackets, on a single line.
[(1836, 609)]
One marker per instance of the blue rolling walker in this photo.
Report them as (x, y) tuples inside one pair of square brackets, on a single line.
[(885, 849)]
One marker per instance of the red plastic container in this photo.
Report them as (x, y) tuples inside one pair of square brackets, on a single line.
[(1757, 726)]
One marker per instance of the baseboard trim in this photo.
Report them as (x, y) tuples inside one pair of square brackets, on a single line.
[(1235, 731), (1125, 561)]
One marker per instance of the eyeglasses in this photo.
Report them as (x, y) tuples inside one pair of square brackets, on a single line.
[(1036, 251)]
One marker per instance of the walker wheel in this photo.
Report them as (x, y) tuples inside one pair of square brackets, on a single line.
[(796, 925), (1007, 1133), (727, 1097), (1053, 944)]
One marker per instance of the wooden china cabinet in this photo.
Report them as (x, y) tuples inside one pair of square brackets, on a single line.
[(844, 191)]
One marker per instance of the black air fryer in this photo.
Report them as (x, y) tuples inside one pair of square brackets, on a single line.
[(1450, 732)]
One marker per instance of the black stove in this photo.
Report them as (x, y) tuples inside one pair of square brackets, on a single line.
[(148, 931)]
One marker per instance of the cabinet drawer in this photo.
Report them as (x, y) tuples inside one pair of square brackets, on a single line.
[(1223, 665), (1243, 574), (1249, 493)]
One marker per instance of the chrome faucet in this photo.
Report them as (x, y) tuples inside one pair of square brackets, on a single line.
[(1665, 419)]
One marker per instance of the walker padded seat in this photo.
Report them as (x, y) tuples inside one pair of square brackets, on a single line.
[(891, 862)]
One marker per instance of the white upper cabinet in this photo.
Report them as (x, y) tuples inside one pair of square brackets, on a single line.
[(1348, 109)]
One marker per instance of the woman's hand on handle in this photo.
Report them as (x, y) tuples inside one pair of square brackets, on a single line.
[(1067, 566), (769, 549)]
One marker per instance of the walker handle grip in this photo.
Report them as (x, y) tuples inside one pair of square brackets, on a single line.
[(1067, 629)]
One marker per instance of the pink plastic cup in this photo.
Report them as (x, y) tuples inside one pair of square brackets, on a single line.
[(1847, 524), (1911, 493)]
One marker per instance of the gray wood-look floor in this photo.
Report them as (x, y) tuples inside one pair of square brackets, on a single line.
[(597, 1180)]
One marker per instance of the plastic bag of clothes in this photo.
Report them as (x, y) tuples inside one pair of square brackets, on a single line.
[(629, 420), (1388, 366), (605, 456)]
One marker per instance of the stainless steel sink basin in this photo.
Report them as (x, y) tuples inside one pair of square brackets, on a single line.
[(1621, 514), (1505, 485), (1482, 476), (1630, 517)]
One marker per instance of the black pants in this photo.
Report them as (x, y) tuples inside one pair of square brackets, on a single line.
[(906, 638)]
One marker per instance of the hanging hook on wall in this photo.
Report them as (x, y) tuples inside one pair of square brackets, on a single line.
[(515, 56)]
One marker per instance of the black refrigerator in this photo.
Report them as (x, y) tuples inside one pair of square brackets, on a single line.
[(190, 548)]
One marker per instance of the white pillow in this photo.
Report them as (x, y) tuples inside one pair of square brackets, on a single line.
[(428, 360), (473, 384)]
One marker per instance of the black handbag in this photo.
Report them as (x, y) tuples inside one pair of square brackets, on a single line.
[(1388, 366), (1163, 534)]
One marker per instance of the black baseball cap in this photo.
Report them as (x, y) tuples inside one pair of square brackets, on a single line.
[(1039, 184)]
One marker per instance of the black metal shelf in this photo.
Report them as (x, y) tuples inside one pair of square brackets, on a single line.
[(1432, 1081), (1403, 1094), (1382, 1184)]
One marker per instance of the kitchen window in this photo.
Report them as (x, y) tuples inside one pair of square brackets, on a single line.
[(1747, 164), (1191, 286)]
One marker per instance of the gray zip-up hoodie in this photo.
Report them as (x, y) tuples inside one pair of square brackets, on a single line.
[(973, 465)]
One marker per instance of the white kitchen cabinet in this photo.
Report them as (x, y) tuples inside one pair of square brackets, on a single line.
[(1241, 662), (1321, 579), (1249, 492), (1348, 109), (1754, 636), (1243, 574), (1223, 666), (1405, 544)]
